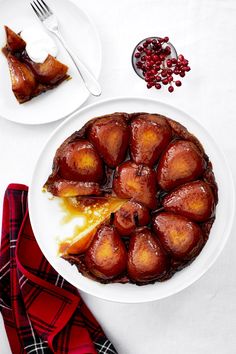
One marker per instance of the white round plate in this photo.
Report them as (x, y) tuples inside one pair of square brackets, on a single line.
[(45, 214), (80, 34)]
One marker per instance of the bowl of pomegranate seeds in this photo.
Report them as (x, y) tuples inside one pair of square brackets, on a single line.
[(156, 61)]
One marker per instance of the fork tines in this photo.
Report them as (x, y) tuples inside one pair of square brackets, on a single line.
[(41, 9)]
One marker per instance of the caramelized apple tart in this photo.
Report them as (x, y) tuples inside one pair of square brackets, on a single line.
[(28, 78), (148, 189)]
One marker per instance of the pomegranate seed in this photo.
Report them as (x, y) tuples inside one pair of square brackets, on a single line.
[(143, 58), (169, 63), (174, 61), (186, 68), (154, 41), (140, 48), (181, 57), (165, 81), (158, 86), (155, 57), (170, 78), (169, 71), (149, 40), (137, 55), (166, 39), (182, 74), (163, 73), (170, 88), (158, 78), (178, 83), (145, 44), (149, 85)]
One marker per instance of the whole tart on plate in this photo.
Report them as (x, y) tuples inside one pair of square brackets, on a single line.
[(148, 189)]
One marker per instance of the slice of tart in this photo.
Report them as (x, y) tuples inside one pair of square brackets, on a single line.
[(28, 78)]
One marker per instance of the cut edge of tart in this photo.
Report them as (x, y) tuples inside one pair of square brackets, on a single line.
[(28, 78), (93, 212), (139, 192)]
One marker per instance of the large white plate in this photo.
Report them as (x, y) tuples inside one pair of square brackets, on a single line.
[(46, 215), (80, 33)]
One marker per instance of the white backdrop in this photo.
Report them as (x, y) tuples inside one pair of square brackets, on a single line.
[(201, 319)]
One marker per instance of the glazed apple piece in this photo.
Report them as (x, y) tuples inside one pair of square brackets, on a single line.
[(51, 72), (22, 80), (150, 134), (194, 200), (79, 161), (146, 259), (181, 162), (92, 211), (180, 237), (14, 42), (129, 216), (65, 188), (110, 136), (137, 182), (106, 258)]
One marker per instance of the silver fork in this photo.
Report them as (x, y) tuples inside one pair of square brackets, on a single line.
[(50, 21)]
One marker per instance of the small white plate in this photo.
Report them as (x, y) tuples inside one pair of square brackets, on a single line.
[(45, 214), (79, 32)]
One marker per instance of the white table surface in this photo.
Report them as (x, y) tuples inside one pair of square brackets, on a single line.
[(202, 318)]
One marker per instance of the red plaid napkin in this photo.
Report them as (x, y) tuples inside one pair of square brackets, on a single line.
[(42, 312)]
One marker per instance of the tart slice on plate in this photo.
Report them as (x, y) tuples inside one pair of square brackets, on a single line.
[(28, 78)]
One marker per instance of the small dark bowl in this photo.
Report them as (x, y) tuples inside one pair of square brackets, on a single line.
[(134, 60)]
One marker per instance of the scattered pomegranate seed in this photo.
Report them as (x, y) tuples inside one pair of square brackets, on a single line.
[(157, 67)]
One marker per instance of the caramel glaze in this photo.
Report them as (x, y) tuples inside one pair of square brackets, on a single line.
[(178, 132)]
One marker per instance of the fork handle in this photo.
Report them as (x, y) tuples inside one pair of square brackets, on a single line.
[(89, 80)]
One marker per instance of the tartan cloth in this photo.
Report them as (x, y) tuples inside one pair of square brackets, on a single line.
[(42, 312)]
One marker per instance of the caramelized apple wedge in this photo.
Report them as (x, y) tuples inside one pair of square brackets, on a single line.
[(110, 136), (181, 162), (79, 161), (65, 188), (51, 72), (182, 238), (106, 257), (194, 200), (137, 182), (93, 212), (150, 134), (146, 259), (22, 80), (14, 42), (129, 216)]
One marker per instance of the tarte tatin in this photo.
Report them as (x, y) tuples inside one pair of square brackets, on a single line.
[(28, 78), (150, 193)]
